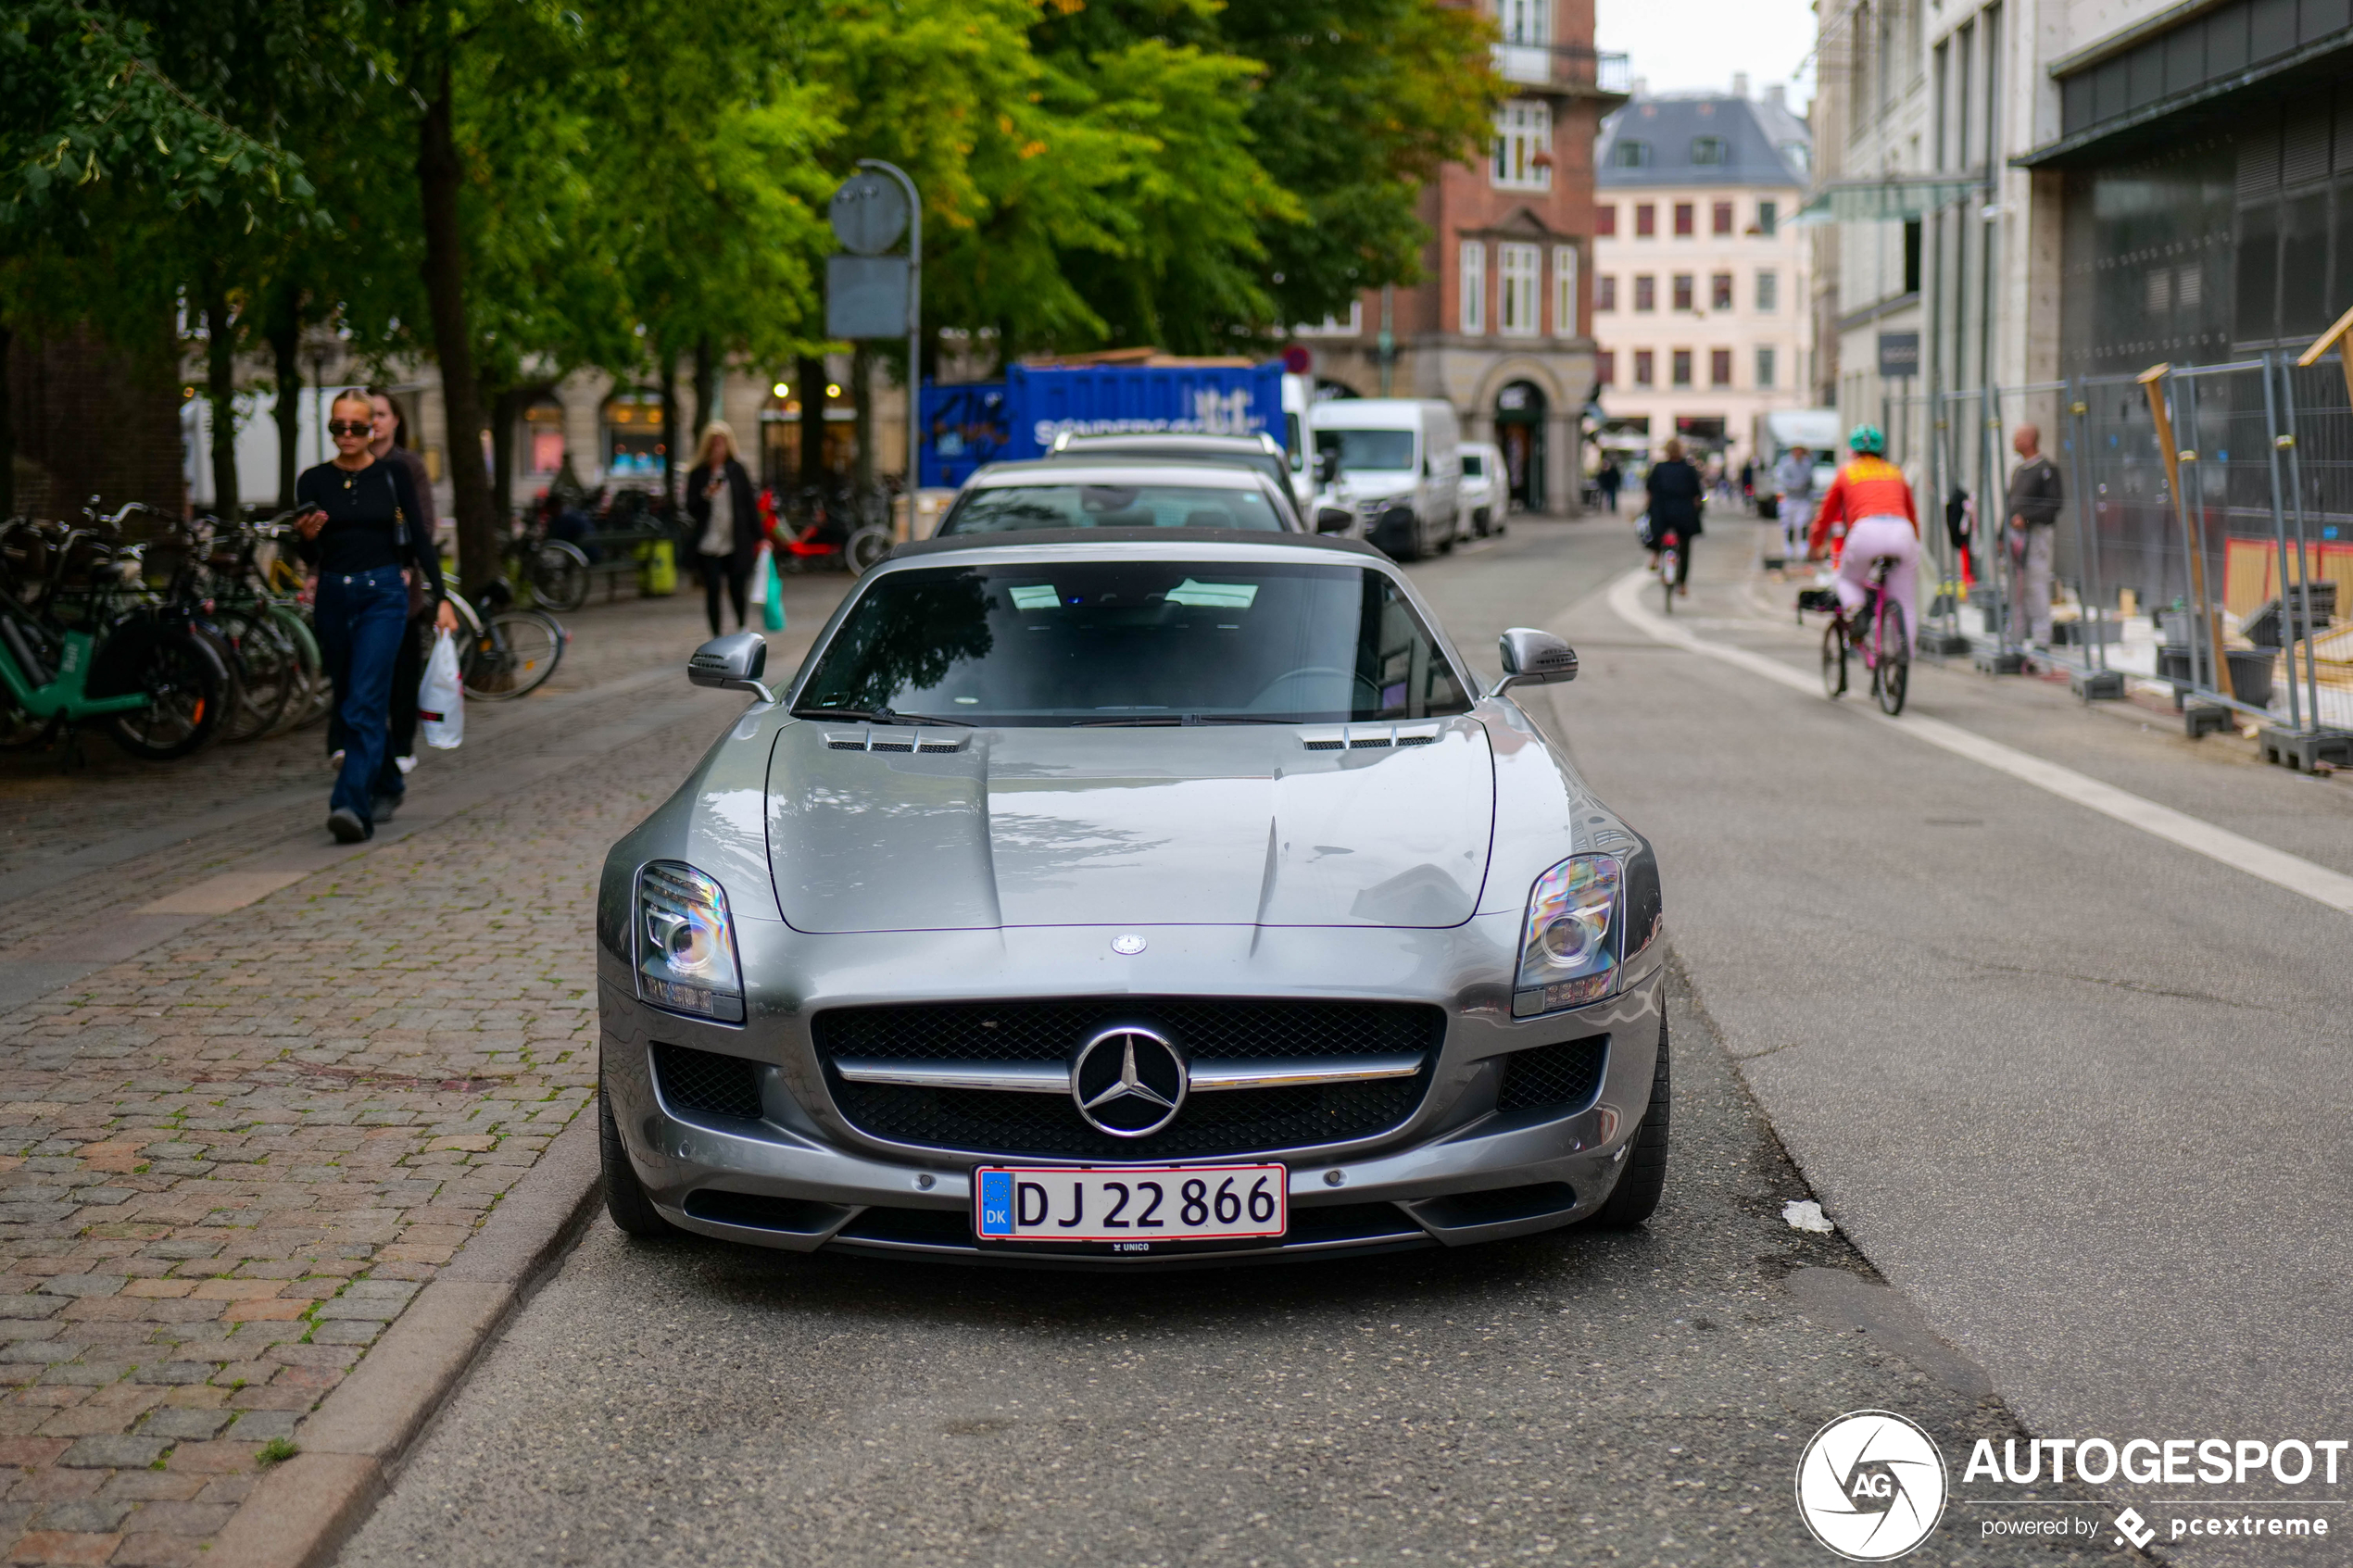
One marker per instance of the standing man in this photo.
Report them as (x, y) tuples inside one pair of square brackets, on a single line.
[(1793, 497), (2033, 512), (1608, 480)]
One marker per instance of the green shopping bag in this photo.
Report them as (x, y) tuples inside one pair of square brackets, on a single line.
[(772, 601)]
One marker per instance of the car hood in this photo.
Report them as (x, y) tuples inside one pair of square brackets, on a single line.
[(889, 829)]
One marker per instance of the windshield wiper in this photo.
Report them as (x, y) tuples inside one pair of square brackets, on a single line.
[(1188, 720), (878, 716)]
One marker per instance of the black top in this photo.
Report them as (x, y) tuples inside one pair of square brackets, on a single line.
[(2035, 492), (747, 542), (1675, 492), (373, 521)]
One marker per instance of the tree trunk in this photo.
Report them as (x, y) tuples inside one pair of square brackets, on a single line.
[(811, 375), (8, 429), (706, 391), (670, 469), (438, 175), (507, 407), (221, 386), (861, 393), (285, 343)]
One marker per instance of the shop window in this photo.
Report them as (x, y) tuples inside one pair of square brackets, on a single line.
[(635, 442), (543, 438)]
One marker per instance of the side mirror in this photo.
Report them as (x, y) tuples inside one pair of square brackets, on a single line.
[(1332, 519), (732, 664), (1532, 659)]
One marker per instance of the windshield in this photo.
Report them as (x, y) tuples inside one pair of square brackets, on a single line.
[(1474, 465), (1364, 451), (1004, 507), (1134, 642)]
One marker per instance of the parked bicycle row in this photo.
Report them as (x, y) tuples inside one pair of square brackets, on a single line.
[(169, 634)]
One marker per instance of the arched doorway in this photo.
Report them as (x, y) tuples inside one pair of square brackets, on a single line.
[(1519, 430)]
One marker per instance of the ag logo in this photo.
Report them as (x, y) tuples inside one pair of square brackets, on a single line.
[(1870, 1486)]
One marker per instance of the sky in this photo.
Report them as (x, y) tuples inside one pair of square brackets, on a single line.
[(1679, 43)]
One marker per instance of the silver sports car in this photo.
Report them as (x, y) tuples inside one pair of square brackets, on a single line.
[(1158, 896)]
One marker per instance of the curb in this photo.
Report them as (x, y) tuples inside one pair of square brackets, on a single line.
[(304, 1509)]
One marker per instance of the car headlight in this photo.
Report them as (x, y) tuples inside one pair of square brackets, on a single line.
[(687, 944), (1568, 952)]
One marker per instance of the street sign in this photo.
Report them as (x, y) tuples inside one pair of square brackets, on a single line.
[(866, 296), (1899, 355), (868, 214)]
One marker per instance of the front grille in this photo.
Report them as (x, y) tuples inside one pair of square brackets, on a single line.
[(704, 1083), (1227, 1122), (1563, 1077)]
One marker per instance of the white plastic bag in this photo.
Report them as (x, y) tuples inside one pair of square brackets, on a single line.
[(758, 594), (441, 701)]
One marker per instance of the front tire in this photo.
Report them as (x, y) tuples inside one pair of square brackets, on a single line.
[(626, 1199), (1635, 1197), (188, 689), (1834, 659), (1893, 676)]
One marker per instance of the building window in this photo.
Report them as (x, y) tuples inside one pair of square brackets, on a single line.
[(1646, 291), (1605, 290), (1643, 375), (1474, 303), (1524, 146), (1606, 367), (1720, 219), (1350, 325), (543, 425), (1645, 220), (1719, 292), (1682, 372), (1517, 270), (1708, 150), (1627, 153), (1768, 219), (1565, 290), (1605, 222), (1686, 223), (1769, 290), (634, 438), (1526, 21), (1683, 291), (1765, 368), (1720, 367)]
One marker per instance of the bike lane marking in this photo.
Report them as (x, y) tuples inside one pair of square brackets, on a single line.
[(2275, 866)]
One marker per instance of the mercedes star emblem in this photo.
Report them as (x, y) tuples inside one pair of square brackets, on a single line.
[(1128, 945), (1128, 1082)]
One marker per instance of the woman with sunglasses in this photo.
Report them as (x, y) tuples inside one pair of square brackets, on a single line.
[(361, 523)]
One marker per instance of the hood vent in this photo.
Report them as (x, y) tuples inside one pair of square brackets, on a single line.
[(868, 737), (1369, 737)]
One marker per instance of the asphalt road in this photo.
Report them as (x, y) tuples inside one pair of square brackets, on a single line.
[(2071, 1090)]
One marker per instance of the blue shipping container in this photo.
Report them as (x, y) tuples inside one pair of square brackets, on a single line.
[(965, 426)]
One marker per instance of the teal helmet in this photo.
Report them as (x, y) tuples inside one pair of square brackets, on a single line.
[(1866, 438)]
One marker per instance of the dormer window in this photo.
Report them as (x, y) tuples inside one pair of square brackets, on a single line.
[(1707, 151)]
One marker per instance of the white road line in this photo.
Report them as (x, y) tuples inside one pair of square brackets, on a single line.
[(2292, 873)]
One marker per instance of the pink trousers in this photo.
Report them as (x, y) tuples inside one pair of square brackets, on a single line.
[(1868, 541)]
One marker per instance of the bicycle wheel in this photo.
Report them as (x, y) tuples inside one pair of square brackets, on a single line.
[(559, 576), (1834, 659), (1893, 677), (1670, 560), (187, 685), (515, 653), (268, 673), (866, 549)]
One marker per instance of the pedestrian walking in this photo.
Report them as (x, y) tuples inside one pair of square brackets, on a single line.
[(719, 497), (388, 442), (361, 527), (1609, 479), (1677, 498), (1794, 498), (2034, 508)]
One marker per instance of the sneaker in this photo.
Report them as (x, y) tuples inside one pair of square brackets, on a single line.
[(382, 806), (405, 764), (346, 824), (334, 761)]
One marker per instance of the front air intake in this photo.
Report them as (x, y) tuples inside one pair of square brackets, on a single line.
[(699, 1084)]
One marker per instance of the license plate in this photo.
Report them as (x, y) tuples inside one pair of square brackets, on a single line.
[(1134, 1204)]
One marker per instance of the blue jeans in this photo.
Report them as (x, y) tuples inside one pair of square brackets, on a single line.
[(361, 619)]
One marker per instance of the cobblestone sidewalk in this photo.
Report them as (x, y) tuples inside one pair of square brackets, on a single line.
[(226, 1165)]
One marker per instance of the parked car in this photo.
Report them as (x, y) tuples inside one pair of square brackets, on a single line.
[(1065, 493), (1172, 900), (1485, 489), (1394, 464), (1261, 454)]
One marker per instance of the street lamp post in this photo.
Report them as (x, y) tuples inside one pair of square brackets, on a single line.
[(914, 329)]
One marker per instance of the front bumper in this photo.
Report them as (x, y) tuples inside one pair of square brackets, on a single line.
[(1456, 1170)]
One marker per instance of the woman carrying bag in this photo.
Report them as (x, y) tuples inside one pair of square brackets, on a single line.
[(720, 501), (361, 525)]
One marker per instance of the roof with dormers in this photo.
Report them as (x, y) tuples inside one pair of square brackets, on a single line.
[(1762, 144)]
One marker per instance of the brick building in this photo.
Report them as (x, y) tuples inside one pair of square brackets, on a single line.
[(1500, 326), (88, 419)]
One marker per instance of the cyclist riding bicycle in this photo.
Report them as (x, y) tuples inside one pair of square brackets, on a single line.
[(1873, 503)]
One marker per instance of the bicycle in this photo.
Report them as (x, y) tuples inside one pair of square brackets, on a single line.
[(1878, 631), (506, 652), (161, 688), (1670, 562)]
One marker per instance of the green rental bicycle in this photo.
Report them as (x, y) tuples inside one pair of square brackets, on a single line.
[(161, 688)]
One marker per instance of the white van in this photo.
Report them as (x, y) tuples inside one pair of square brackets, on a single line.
[(1299, 397), (1394, 464), (1487, 487)]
